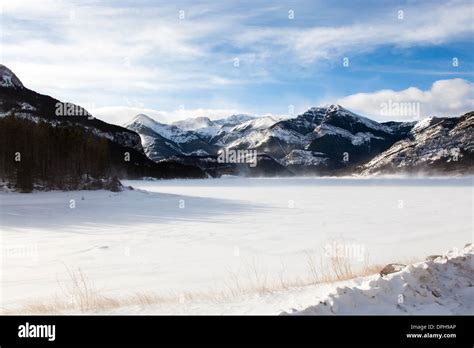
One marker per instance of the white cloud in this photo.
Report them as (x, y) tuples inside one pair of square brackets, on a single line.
[(72, 45), (445, 98), (422, 25)]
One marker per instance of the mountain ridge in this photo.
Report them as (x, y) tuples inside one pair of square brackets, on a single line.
[(323, 140), (328, 140)]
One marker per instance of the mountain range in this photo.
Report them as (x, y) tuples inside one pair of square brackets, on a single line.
[(322, 141), (63, 146)]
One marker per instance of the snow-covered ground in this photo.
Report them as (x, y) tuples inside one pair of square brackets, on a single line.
[(444, 285), (205, 236)]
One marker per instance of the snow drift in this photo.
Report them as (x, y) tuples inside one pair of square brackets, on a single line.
[(440, 285)]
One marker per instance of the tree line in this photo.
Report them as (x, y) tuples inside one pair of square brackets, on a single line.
[(57, 157)]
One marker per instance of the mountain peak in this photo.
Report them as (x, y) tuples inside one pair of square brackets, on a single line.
[(142, 118), (341, 117), (9, 79), (194, 123), (335, 107), (234, 120), (327, 109)]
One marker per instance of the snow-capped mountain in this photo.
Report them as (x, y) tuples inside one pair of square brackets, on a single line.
[(161, 140), (208, 130), (199, 123), (233, 120), (323, 140), (433, 145), (245, 135), (191, 124), (9, 79), (346, 138), (200, 136)]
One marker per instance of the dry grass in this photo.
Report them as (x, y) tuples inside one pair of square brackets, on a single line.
[(79, 295)]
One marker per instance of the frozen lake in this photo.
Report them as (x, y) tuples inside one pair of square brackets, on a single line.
[(194, 235)]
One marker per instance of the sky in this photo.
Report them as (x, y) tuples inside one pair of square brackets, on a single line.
[(177, 59)]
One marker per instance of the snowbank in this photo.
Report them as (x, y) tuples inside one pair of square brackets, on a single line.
[(441, 286)]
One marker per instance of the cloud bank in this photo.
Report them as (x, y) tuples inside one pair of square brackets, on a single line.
[(445, 98)]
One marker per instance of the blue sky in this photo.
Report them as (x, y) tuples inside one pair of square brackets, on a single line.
[(179, 59)]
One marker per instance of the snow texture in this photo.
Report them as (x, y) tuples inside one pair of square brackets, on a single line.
[(441, 286)]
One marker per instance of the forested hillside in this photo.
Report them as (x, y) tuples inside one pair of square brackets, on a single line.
[(70, 157)]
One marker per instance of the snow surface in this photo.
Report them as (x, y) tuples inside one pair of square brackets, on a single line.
[(180, 236), (442, 286)]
